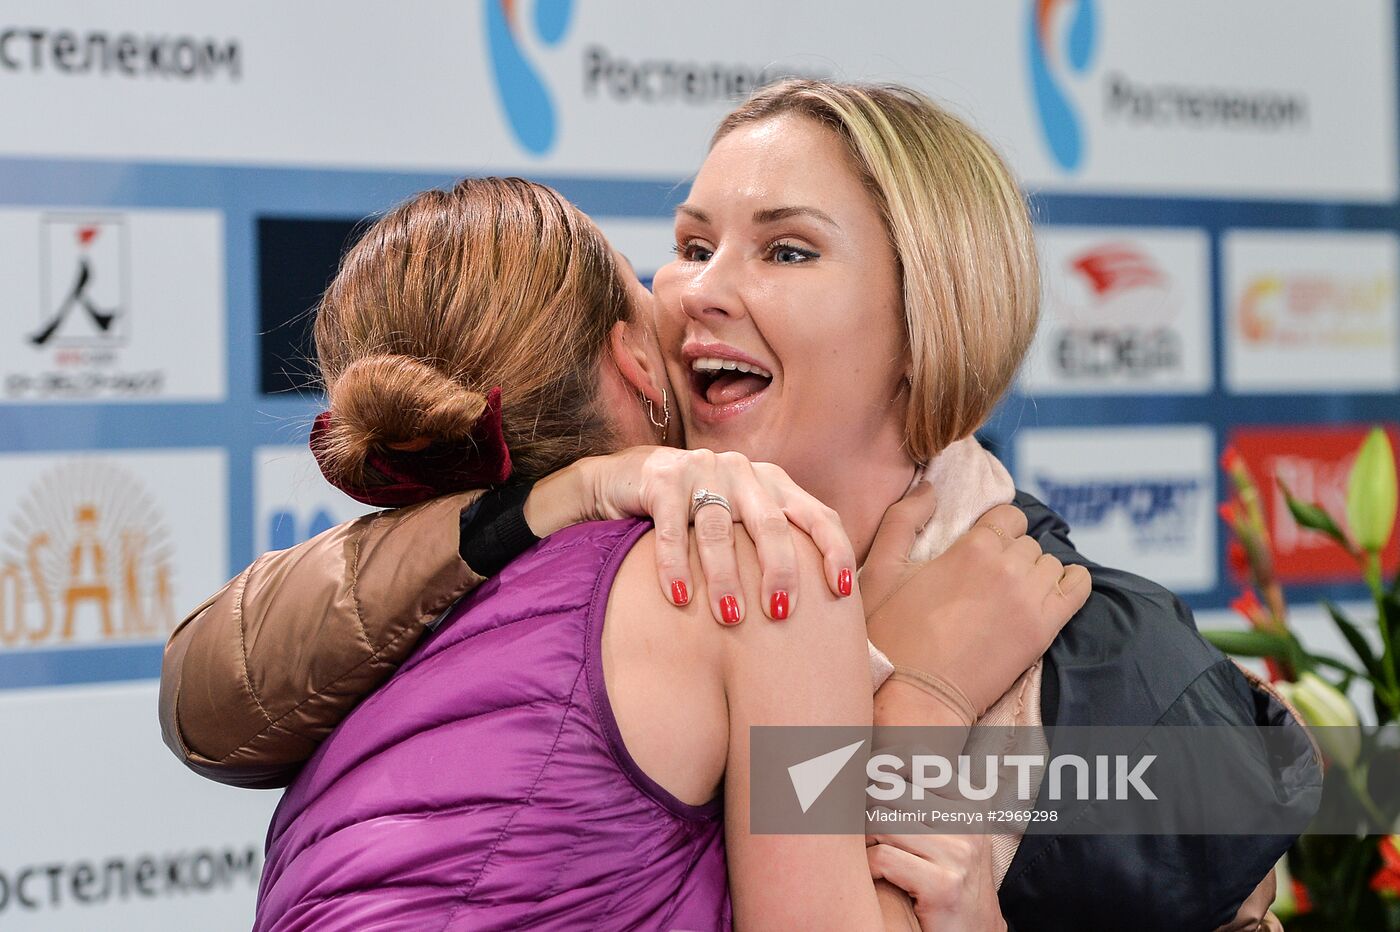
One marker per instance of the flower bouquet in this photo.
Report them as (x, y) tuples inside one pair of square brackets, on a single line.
[(1333, 882)]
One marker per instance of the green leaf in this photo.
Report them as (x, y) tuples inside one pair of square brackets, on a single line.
[(1250, 643), (1357, 640), (1348, 672), (1313, 517), (1332, 663), (1389, 607), (1371, 493)]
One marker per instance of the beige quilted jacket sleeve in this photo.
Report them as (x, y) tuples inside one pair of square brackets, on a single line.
[(257, 676)]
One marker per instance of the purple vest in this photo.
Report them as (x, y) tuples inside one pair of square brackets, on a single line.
[(486, 785)]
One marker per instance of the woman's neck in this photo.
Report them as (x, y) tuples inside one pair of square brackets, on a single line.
[(860, 491)]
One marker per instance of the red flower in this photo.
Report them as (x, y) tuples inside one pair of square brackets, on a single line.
[(1249, 606), (1390, 852), (1387, 880), (1300, 897), (1387, 883), (1231, 460), (1239, 560), (1228, 514)]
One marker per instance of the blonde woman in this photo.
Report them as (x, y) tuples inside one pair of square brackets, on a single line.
[(864, 261)]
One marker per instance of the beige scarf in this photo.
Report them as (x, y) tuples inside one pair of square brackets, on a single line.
[(969, 481)]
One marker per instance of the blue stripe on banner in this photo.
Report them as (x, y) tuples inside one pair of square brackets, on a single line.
[(71, 666), (246, 419)]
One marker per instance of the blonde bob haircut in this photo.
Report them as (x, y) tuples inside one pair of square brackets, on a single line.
[(961, 234)]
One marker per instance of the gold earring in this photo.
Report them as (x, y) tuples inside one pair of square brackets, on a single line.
[(665, 421)]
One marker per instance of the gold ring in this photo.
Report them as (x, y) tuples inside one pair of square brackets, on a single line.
[(998, 531)]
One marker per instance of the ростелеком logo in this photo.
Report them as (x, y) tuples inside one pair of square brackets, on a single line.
[(528, 106), (1051, 51)]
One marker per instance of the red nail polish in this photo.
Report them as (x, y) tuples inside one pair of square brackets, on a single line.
[(778, 605), (679, 595), (729, 610), (843, 582)]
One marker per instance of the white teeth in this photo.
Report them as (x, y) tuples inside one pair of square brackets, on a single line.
[(713, 364)]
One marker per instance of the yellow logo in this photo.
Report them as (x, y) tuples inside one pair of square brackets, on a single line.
[(1315, 310), (85, 559)]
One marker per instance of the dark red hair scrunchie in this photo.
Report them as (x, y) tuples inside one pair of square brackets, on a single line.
[(406, 478)]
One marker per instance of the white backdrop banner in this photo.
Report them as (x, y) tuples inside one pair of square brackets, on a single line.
[(1084, 95), (100, 828)]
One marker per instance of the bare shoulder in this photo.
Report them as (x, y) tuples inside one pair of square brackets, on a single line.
[(663, 667), (678, 681)]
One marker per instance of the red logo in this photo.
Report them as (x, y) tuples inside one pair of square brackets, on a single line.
[(1117, 267), (1315, 463)]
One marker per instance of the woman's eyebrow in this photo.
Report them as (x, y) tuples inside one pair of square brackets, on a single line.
[(774, 214), (767, 215)]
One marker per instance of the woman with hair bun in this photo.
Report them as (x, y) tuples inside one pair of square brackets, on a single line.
[(568, 748)]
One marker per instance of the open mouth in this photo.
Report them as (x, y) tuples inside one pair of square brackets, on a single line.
[(723, 382)]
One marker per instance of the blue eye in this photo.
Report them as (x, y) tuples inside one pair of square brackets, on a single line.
[(787, 254), (692, 252)]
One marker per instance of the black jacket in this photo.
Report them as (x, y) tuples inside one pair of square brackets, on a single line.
[(1133, 656)]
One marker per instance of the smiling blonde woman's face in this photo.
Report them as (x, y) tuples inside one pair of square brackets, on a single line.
[(785, 269)]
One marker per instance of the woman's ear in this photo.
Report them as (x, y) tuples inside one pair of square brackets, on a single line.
[(638, 361), (640, 369)]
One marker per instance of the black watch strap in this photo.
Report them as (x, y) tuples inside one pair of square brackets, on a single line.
[(494, 530)]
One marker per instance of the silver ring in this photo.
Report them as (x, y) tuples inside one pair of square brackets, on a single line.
[(703, 497)]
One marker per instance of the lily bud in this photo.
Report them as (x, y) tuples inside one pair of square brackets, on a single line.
[(1371, 493), (1336, 728)]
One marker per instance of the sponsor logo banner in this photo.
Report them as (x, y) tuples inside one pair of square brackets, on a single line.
[(105, 550), (1307, 312), (1125, 310), (1315, 463), (104, 829), (111, 306), (1140, 499), (1126, 96), (292, 501), (1082, 94)]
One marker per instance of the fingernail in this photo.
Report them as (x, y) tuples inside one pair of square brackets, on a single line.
[(778, 605), (729, 610), (843, 581), (679, 595)]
